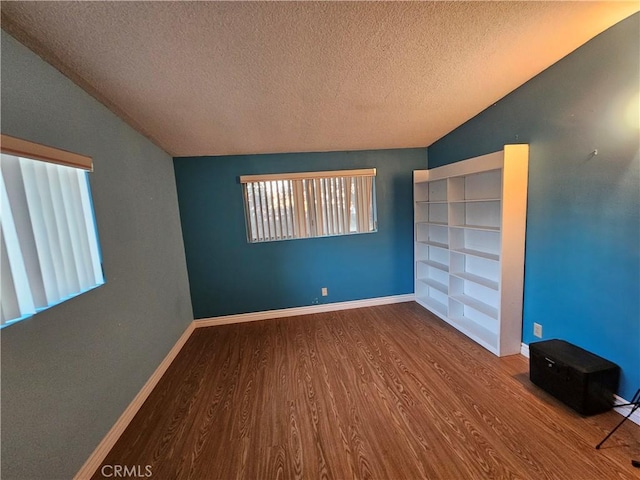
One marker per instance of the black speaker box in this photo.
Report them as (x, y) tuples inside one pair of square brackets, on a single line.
[(578, 378)]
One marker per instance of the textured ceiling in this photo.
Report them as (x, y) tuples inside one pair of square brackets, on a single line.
[(216, 78)]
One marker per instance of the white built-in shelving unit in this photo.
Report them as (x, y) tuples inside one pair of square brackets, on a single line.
[(470, 220)]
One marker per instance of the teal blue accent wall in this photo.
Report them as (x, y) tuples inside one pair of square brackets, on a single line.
[(582, 273), (228, 275)]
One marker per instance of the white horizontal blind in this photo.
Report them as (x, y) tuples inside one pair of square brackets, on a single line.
[(280, 207), (49, 245)]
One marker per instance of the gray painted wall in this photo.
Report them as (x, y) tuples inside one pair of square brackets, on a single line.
[(69, 372)]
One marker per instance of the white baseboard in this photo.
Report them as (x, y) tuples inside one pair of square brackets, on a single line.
[(292, 312), (624, 411), (104, 447)]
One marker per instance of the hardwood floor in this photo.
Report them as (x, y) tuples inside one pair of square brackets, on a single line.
[(387, 392)]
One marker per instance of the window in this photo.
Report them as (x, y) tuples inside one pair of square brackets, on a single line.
[(49, 245), (313, 204)]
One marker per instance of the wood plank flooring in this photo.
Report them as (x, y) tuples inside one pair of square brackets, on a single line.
[(387, 392)]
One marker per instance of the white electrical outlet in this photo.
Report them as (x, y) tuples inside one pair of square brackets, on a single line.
[(537, 330), (324, 291)]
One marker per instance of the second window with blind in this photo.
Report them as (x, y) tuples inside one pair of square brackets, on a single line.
[(309, 204), (49, 249)]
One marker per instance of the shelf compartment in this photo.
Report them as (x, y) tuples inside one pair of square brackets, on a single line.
[(444, 246), (435, 300), (434, 235), (476, 295), (477, 215), (437, 191), (432, 263), (477, 253), (421, 212), (460, 309), (477, 227), (432, 298), (483, 185), (441, 224), (432, 213), (433, 257), (456, 189), (421, 192), (481, 243), (476, 279), (471, 200), (477, 305), (441, 287), (475, 269), (437, 224), (433, 277), (479, 297), (475, 331), (438, 213), (434, 305), (421, 252)]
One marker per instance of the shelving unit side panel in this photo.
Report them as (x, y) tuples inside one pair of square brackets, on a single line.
[(514, 215)]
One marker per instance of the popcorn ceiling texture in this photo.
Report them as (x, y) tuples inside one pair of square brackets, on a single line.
[(225, 78)]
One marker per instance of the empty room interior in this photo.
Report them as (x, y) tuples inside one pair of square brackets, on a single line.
[(320, 240)]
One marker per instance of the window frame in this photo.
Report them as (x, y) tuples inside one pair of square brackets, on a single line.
[(309, 204), (50, 240)]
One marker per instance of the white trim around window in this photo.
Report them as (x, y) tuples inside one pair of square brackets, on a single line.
[(49, 250), (309, 204)]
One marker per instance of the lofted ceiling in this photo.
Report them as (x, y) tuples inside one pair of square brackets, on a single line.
[(222, 78)]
